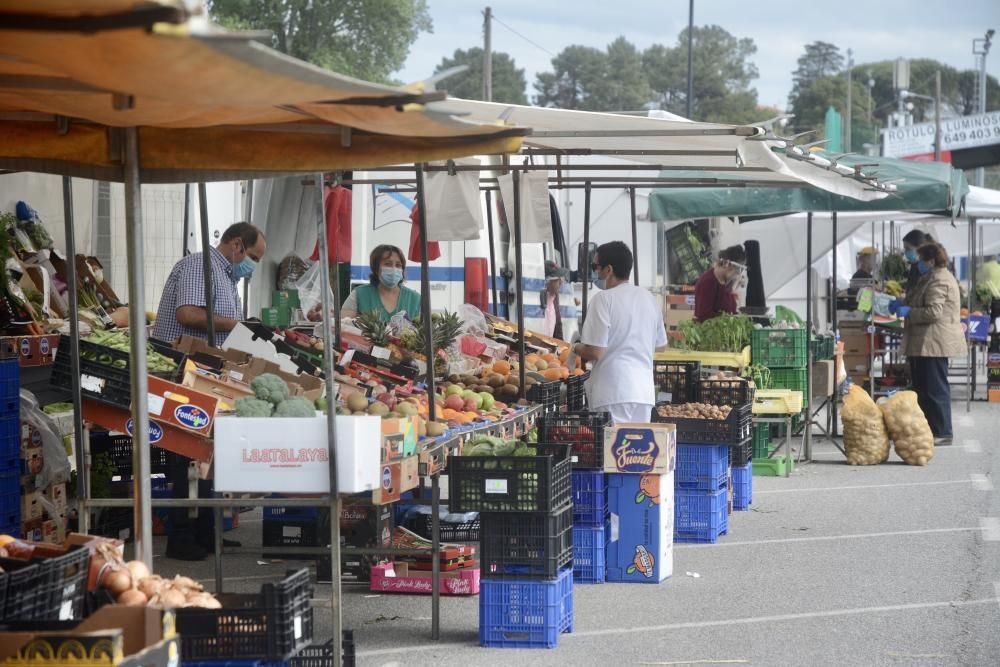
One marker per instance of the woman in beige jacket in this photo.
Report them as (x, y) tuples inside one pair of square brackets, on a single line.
[(932, 335)]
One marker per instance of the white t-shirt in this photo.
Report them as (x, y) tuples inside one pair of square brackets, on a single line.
[(626, 321)]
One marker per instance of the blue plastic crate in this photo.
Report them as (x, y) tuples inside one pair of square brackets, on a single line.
[(742, 487), (525, 613), (10, 509), (590, 497), (702, 467), (700, 516), (10, 381), (590, 546), (10, 441)]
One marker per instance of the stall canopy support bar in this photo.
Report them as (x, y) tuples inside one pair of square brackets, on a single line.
[(833, 320), (74, 346), (585, 278), (635, 238), (519, 285), (809, 327), (493, 252)]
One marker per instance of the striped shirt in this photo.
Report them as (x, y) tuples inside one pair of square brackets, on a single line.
[(186, 287)]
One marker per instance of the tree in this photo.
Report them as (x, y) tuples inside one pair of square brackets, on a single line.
[(820, 60), (570, 85), (368, 39), (508, 81), (625, 87)]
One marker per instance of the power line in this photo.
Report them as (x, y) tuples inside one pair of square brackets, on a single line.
[(529, 41)]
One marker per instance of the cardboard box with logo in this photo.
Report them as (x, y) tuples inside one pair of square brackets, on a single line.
[(33, 350), (640, 448), (641, 540)]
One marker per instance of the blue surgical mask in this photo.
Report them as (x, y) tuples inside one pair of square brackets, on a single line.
[(244, 269), (390, 276), (924, 268), (911, 256), (600, 283)]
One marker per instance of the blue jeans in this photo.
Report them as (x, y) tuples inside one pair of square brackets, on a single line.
[(930, 381)]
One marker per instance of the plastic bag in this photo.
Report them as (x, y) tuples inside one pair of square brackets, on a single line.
[(473, 320), (911, 434), (290, 271), (454, 209), (865, 439), (310, 287), (55, 462)]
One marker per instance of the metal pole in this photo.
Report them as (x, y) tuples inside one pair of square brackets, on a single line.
[(519, 285), (206, 263), (850, 106), (807, 399), (247, 216), (143, 515), (331, 428), (488, 55), (586, 247), (337, 319), (971, 358), (425, 308), (493, 253), (937, 116), (690, 81), (833, 317), (74, 345), (635, 238), (187, 219)]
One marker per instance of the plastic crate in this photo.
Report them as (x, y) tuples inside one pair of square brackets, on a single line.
[(27, 596), (773, 467), (590, 497), (576, 395), (700, 516), (547, 394), (779, 348), (290, 533), (508, 483), (272, 625), (590, 545), (66, 586), (761, 440), (519, 546), (676, 381), (10, 385), (465, 531), (704, 467), (291, 513), (741, 453), (119, 448), (583, 432), (734, 393), (10, 499), (321, 655), (742, 487), (10, 442), (525, 614), (789, 378), (735, 428), (823, 347)]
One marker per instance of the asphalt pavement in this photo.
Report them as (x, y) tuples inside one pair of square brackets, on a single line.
[(836, 565)]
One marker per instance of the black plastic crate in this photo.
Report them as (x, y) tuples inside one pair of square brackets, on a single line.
[(321, 655), (66, 586), (734, 393), (545, 393), (272, 625), (676, 381), (27, 595), (515, 546), (740, 453), (578, 435), (576, 395), (119, 448), (508, 483), (291, 533), (735, 428), (466, 531)]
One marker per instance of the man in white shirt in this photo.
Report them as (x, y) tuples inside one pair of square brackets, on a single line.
[(622, 330)]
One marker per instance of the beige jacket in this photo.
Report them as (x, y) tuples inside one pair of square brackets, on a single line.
[(933, 327)]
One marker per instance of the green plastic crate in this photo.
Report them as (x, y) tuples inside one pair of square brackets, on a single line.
[(789, 378), (823, 348), (773, 467), (779, 348), (275, 316), (761, 440), (285, 298)]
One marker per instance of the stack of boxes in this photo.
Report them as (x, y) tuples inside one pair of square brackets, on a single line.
[(993, 376), (526, 545), (10, 448), (281, 313), (739, 396), (785, 352)]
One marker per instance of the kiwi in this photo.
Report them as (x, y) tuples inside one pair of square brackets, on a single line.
[(357, 403), (454, 377), (509, 390), (495, 380), (378, 408)]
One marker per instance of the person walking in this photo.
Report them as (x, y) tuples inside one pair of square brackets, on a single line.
[(622, 330)]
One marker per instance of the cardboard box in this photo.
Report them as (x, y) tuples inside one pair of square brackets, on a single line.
[(299, 384), (276, 455), (226, 390), (56, 495), (993, 394), (641, 543), (855, 343), (400, 578), (34, 350), (286, 298), (182, 407), (433, 458), (823, 378), (162, 434), (242, 338), (31, 506), (390, 484), (362, 524), (409, 473), (31, 461), (677, 315), (406, 429), (640, 448), (857, 363), (31, 530), (194, 347), (276, 316)]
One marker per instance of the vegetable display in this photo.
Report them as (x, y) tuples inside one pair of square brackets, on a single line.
[(694, 411), (132, 585), (911, 435), (486, 445), (119, 340), (865, 440), (271, 399), (895, 267), (724, 333)]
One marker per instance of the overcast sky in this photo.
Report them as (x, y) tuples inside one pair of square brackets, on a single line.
[(874, 29)]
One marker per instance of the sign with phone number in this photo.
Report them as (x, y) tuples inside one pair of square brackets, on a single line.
[(956, 133)]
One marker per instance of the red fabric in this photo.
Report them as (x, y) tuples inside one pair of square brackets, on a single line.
[(712, 298), (433, 247), (337, 208)]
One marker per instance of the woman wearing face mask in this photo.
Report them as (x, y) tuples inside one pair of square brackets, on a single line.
[(933, 334), (913, 240), (714, 293), (384, 295)]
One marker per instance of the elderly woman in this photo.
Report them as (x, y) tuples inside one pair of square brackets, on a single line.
[(932, 335)]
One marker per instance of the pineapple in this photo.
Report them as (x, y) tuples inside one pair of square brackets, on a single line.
[(373, 328)]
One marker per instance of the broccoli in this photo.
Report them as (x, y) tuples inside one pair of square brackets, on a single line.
[(252, 407), (296, 406), (269, 387)]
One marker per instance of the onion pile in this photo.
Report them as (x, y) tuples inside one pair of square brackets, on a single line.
[(133, 585)]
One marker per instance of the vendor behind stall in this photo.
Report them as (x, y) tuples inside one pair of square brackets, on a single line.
[(384, 294), (714, 292), (867, 257), (554, 277)]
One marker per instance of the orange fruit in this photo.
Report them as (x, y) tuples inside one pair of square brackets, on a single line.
[(552, 374), (501, 367), (531, 359), (550, 358)]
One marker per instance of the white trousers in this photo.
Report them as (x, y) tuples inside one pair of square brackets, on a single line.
[(627, 413)]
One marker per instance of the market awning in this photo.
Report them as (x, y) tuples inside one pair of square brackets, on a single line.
[(210, 104), (706, 154), (927, 187)]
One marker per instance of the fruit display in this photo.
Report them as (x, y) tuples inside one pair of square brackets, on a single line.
[(694, 411)]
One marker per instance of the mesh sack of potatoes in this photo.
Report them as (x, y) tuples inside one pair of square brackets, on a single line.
[(911, 435), (865, 440)]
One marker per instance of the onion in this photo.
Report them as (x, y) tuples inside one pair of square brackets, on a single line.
[(151, 585), (170, 599), (132, 598), (117, 581), (137, 569), (183, 582)]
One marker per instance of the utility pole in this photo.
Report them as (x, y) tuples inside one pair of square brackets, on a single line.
[(488, 55), (871, 84), (981, 48), (937, 116), (690, 91), (850, 106)]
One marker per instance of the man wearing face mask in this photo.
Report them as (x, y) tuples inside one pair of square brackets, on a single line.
[(714, 293), (182, 304), (182, 311)]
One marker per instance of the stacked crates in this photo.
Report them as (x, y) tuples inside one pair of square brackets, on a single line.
[(701, 488), (10, 447), (525, 548), (786, 353), (742, 485)]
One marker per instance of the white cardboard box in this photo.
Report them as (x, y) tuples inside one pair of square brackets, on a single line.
[(243, 339), (285, 455)]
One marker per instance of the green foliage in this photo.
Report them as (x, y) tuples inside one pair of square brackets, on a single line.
[(723, 333), (821, 60), (508, 81), (894, 267), (373, 328), (368, 39)]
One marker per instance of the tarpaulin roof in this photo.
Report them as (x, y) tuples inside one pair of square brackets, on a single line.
[(209, 104), (929, 187), (715, 153)]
